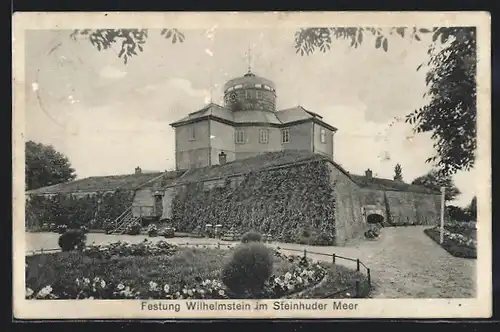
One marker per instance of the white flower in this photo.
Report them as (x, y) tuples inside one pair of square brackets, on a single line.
[(44, 291), (190, 292), (277, 280), (221, 292), (91, 298), (120, 286), (288, 276), (153, 286), (103, 284), (184, 291), (299, 280), (348, 294), (166, 288), (290, 286), (86, 281), (29, 292)]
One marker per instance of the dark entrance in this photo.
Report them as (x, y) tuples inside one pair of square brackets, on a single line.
[(374, 218)]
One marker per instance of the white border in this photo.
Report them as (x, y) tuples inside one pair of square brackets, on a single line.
[(481, 306)]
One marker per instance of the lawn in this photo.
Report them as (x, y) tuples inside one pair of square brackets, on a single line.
[(457, 240), (142, 271)]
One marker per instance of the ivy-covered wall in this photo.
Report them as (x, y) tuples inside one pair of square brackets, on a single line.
[(290, 203), (75, 210)]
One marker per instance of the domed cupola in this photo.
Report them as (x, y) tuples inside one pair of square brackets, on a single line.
[(250, 92)]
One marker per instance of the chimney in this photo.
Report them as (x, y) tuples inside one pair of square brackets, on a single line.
[(368, 174), (222, 158), (138, 170)]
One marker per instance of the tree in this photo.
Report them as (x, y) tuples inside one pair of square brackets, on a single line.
[(434, 180), (132, 40), (450, 114), (398, 173), (472, 209), (44, 166)]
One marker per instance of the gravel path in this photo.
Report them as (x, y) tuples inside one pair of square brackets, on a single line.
[(404, 262)]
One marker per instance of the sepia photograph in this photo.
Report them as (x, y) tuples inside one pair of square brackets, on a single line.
[(251, 165)]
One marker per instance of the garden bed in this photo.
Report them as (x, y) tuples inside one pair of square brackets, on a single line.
[(156, 271), (457, 244)]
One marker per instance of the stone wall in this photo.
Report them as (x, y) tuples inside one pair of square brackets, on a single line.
[(349, 222), (404, 207)]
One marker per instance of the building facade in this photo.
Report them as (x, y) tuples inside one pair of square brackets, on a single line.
[(248, 125)]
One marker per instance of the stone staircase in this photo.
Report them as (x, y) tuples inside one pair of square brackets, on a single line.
[(125, 219)]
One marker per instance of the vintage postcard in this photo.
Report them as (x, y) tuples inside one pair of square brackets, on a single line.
[(251, 165)]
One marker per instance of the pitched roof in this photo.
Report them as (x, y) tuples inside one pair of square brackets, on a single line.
[(252, 116), (247, 165), (104, 183), (389, 185)]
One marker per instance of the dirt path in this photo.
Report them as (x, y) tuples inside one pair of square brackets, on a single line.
[(404, 262)]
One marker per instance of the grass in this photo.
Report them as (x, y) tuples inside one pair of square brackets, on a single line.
[(340, 283), (451, 246), (186, 266)]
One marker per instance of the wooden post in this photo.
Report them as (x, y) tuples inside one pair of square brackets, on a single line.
[(305, 253), (333, 258), (441, 233), (369, 277)]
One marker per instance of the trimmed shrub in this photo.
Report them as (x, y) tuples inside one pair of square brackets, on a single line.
[(152, 230), (168, 232), (248, 269), (133, 229), (251, 236), (73, 239)]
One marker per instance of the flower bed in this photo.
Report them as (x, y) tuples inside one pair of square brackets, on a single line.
[(123, 271), (456, 244), (123, 249)]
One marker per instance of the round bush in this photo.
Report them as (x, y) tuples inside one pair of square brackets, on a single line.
[(73, 239), (133, 229), (248, 269), (251, 236)]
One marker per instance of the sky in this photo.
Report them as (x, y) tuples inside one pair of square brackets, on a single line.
[(108, 117)]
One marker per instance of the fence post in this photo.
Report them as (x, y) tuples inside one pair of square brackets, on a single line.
[(333, 258), (305, 253), (357, 278), (369, 277)]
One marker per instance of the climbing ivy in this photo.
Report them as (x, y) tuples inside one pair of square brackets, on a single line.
[(286, 203)]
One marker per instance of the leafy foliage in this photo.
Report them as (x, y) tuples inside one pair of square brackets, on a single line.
[(132, 40), (434, 180), (76, 211), (246, 273), (398, 173), (44, 166), (279, 202), (450, 114), (472, 209), (457, 214)]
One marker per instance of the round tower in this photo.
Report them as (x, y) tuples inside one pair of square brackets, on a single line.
[(250, 92)]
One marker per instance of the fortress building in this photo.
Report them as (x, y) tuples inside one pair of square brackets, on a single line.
[(248, 125), (247, 165)]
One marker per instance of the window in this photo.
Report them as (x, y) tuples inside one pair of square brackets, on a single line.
[(240, 136), (322, 133), (248, 94), (192, 133), (258, 94), (264, 136), (285, 136)]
